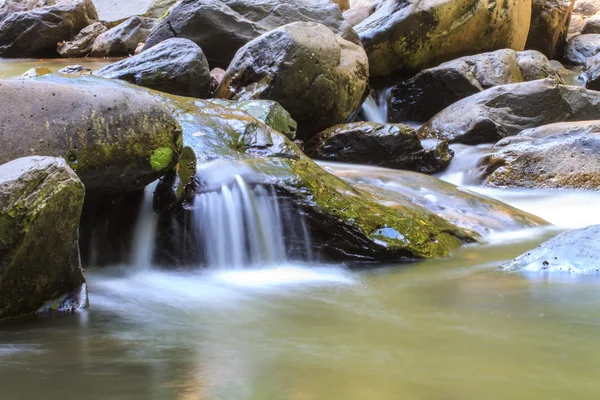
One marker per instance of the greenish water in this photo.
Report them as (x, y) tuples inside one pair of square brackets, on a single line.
[(12, 68)]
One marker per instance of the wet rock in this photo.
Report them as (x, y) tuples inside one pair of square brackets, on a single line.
[(175, 184), (562, 155), (507, 110), (582, 47), (388, 145), (592, 25), (8, 7), (576, 252), (176, 66), (459, 206), (116, 139), (34, 72), (432, 90), (216, 77), (550, 21), (40, 205), (81, 45), (591, 73), (318, 77), (36, 33), (403, 35), (222, 27), (75, 70), (123, 39), (269, 112)]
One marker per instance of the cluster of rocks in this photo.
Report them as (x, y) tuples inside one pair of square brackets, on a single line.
[(241, 80)]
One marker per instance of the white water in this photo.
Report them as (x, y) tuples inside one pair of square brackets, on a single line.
[(145, 231), (375, 108), (464, 169)]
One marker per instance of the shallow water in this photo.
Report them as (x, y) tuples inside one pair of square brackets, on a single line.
[(445, 329), (12, 68)]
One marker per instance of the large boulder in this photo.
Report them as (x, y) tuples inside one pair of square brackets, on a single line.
[(35, 33), (507, 110), (387, 145), (432, 90), (176, 66), (592, 25), (123, 39), (591, 73), (40, 205), (576, 252), (582, 47), (222, 27), (562, 155), (8, 7), (412, 35), (318, 77), (550, 21), (116, 139), (81, 45)]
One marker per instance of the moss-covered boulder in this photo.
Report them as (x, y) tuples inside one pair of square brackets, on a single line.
[(115, 138), (507, 110), (412, 35), (40, 204), (562, 155), (318, 77), (387, 145)]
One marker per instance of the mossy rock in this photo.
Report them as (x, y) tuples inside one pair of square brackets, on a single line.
[(40, 205)]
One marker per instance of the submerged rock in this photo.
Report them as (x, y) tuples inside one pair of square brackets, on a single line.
[(388, 145), (75, 70), (176, 66), (123, 39), (432, 90), (40, 205), (507, 110), (116, 139), (582, 47), (577, 252), (407, 35), (222, 27), (36, 33), (562, 155), (81, 45), (550, 21), (318, 77)]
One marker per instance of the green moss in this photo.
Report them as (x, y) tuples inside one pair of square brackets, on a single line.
[(161, 158)]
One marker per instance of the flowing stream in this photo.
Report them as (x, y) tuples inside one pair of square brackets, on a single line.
[(453, 329)]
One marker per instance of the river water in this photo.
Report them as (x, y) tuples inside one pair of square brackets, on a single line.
[(452, 329)]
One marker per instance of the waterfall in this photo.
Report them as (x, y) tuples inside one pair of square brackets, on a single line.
[(464, 168), (238, 225), (375, 107), (145, 231)]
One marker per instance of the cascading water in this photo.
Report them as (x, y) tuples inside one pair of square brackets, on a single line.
[(464, 168), (375, 108), (145, 231)]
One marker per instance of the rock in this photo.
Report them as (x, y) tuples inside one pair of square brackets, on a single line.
[(507, 110), (592, 25), (431, 90), (36, 33), (268, 112), (358, 14), (388, 145), (216, 77), (562, 155), (343, 4), (402, 35), (82, 44), (591, 73), (175, 66), (113, 12), (159, 8), (75, 70), (116, 139), (222, 27), (123, 39), (576, 26), (8, 7), (318, 77), (40, 206), (582, 47), (550, 21), (138, 49), (576, 252), (459, 206), (175, 184), (587, 8), (35, 72)]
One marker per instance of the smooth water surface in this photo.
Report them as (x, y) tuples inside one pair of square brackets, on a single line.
[(13, 68)]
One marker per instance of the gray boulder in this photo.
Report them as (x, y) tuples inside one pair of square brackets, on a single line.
[(116, 139), (592, 25), (507, 110), (562, 155), (591, 73), (40, 205), (8, 7), (175, 66), (222, 27), (577, 252), (123, 39), (36, 33), (432, 90), (386, 145), (582, 47), (81, 45), (318, 77), (412, 35), (550, 21)]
